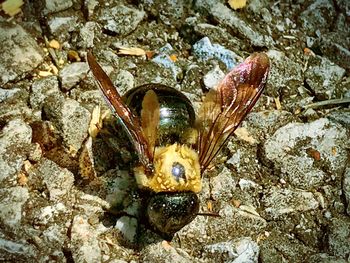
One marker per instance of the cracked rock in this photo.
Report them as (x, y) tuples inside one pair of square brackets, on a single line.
[(58, 180), (120, 19), (14, 142), (11, 201), (300, 162), (19, 52), (279, 202), (71, 74), (70, 119), (41, 89)]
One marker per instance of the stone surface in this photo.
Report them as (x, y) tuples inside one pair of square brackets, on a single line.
[(14, 140), (298, 161), (19, 53), (71, 74), (11, 202), (346, 188), (280, 202), (41, 89), (58, 181), (70, 119), (231, 19), (338, 238), (120, 19), (53, 6), (243, 250), (205, 50), (323, 76)]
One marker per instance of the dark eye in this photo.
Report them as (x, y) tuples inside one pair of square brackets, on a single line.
[(178, 171)]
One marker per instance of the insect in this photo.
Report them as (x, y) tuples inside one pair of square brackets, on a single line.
[(173, 146)]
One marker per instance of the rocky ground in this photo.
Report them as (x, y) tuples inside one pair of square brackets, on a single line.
[(282, 184)]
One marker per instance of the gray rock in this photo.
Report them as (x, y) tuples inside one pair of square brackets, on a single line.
[(16, 249), (70, 119), (346, 188), (339, 236), (223, 185), (205, 50), (157, 253), (170, 12), (323, 76), (213, 77), (279, 202), (163, 59), (19, 52), (41, 89), (124, 81), (232, 20), (319, 15), (61, 27), (285, 74), (71, 74), (8, 93), (243, 250), (84, 241), (325, 258), (57, 180), (14, 138), (11, 201), (87, 35), (120, 19), (89, 8), (47, 215), (296, 150), (53, 6)]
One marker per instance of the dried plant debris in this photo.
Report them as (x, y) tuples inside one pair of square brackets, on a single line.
[(278, 192)]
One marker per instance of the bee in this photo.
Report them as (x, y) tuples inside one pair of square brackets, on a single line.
[(174, 147)]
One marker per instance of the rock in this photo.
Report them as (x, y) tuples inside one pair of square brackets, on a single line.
[(70, 119), (280, 202), (300, 162), (120, 19), (54, 6), (281, 247), (319, 15), (41, 89), (89, 8), (223, 185), (243, 250), (87, 35), (15, 139), (84, 241), (233, 21), (124, 81), (323, 76), (291, 71), (325, 258), (163, 59), (339, 236), (346, 188), (71, 74), (164, 253), (205, 50), (12, 251), (58, 181), (12, 200), (61, 27), (6, 94), (19, 53), (213, 78), (47, 215), (170, 12)]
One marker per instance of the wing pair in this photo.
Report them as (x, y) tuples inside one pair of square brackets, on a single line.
[(223, 109)]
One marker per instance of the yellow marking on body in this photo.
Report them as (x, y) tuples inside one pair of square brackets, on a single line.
[(162, 180)]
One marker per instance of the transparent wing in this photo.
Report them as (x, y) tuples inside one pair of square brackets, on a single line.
[(224, 108), (130, 121)]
